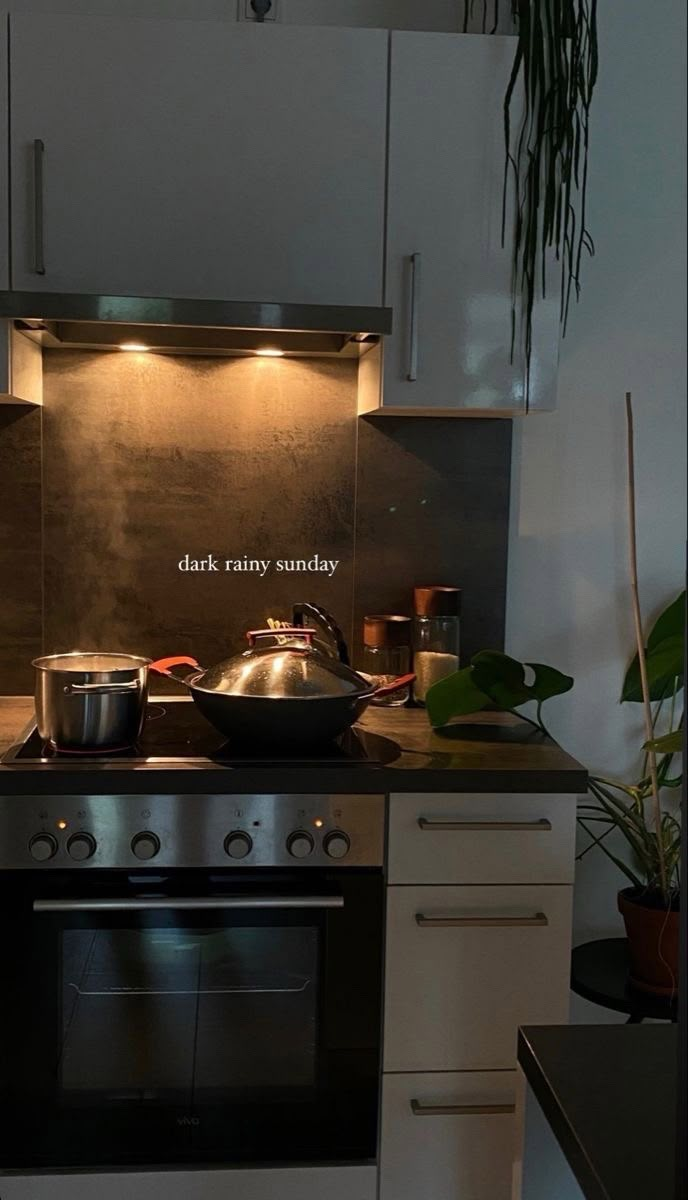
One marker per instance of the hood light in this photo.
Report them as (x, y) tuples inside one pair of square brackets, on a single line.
[(140, 346), (270, 352)]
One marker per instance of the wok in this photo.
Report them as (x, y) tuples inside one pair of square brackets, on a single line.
[(286, 694)]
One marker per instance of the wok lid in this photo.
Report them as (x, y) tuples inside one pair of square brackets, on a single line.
[(288, 668)]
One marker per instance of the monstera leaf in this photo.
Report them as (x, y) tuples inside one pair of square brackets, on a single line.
[(496, 680), (664, 656)]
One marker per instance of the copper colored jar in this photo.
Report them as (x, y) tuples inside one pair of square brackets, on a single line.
[(387, 653)]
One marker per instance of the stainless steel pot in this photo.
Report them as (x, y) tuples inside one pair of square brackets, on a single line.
[(91, 701), (283, 694)]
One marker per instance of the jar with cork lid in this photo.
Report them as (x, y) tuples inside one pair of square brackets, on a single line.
[(436, 636), (387, 653)]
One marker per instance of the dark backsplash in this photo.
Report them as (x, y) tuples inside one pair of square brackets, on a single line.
[(149, 458)]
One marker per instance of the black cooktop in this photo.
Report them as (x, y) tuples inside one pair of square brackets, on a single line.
[(176, 732)]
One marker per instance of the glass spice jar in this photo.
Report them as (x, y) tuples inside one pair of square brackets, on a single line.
[(436, 636), (387, 653)]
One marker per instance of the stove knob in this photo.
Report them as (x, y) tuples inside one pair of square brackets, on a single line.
[(145, 845), (238, 844), (300, 844), (42, 847), (81, 846), (336, 844)]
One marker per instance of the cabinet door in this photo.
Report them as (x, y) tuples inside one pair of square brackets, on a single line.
[(448, 276), (447, 1136), (198, 159), (465, 966), (4, 161)]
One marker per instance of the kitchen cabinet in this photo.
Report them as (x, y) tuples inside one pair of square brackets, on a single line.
[(21, 367), (449, 1136), (448, 277), (4, 159), (478, 942), (477, 838), (198, 159), (465, 966)]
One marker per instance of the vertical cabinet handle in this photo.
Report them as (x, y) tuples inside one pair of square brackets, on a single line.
[(414, 296), (461, 1110), (38, 239)]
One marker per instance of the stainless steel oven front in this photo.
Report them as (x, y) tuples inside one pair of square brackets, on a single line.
[(212, 1007)]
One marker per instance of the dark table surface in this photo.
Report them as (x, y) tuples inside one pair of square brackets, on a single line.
[(488, 752), (599, 972), (609, 1094)]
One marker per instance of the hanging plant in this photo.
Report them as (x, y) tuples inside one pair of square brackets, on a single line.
[(546, 163)]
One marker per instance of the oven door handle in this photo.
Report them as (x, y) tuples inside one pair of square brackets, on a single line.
[(192, 903)]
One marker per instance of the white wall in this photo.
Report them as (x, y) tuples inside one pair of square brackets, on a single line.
[(440, 15), (568, 595)]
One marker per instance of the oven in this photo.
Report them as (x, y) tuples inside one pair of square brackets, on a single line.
[(218, 1016)]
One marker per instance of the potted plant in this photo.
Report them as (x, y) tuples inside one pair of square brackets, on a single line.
[(642, 811), (649, 903)]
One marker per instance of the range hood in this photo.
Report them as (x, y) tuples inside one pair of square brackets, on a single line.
[(176, 326)]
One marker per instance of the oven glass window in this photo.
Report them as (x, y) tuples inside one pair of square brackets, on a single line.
[(185, 1015)]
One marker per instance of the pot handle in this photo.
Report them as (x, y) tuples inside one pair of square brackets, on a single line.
[(162, 666), (306, 635), (400, 682), (100, 689)]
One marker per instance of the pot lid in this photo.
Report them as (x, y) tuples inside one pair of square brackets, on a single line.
[(283, 665)]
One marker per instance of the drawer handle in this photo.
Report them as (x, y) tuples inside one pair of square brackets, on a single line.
[(425, 922), (430, 826), (461, 1110)]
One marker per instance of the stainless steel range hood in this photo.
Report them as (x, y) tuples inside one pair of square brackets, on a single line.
[(175, 326)]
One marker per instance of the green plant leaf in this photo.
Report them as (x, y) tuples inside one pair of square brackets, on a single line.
[(671, 743), (501, 678), (664, 665), (670, 623), (454, 696), (548, 682)]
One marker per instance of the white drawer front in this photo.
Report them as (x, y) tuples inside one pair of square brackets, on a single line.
[(435, 1146), (466, 966), (469, 838), (288, 1183)]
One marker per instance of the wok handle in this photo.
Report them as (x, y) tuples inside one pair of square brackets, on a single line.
[(162, 666), (395, 685), (306, 635)]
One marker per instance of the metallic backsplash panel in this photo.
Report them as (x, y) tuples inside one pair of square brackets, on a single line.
[(148, 457)]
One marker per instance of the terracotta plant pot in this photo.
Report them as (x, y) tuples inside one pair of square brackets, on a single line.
[(652, 934)]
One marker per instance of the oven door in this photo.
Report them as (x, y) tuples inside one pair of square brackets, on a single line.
[(190, 1019)]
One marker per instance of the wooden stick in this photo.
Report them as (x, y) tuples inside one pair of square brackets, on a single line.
[(640, 642)]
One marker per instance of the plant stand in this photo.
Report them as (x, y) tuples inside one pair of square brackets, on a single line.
[(599, 973)]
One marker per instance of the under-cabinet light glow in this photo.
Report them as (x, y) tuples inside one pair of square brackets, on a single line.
[(133, 346), (270, 352)]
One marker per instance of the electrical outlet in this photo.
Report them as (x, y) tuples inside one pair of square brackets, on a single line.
[(268, 10)]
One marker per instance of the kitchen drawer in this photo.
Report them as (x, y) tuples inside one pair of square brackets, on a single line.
[(287, 1183), (474, 838), (436, 1146), (465, 966)]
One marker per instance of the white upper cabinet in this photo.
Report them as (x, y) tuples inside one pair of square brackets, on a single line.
[(448, 277), (198, 159), (4, 190)]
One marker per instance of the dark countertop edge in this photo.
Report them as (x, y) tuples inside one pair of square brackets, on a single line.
[(574, 1152), (155, 780)]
